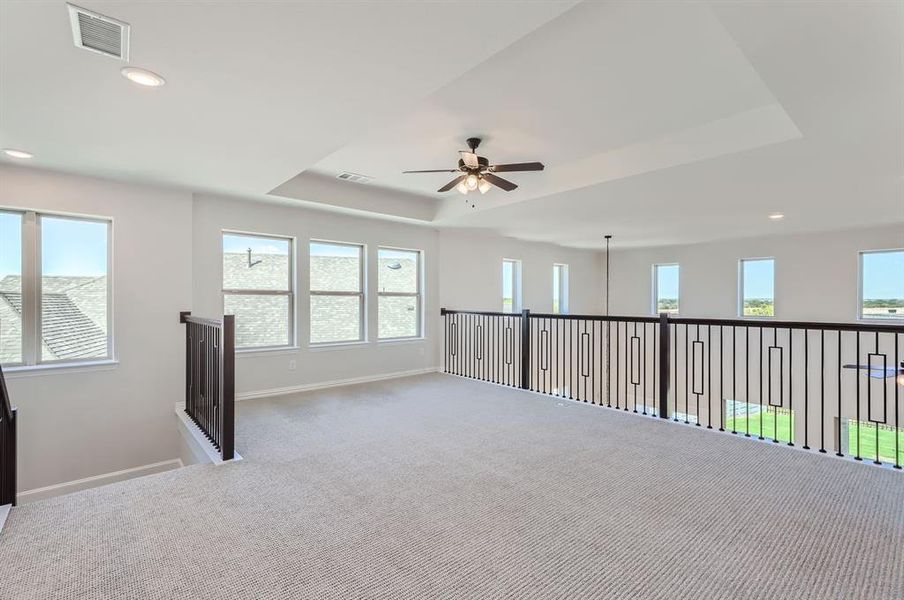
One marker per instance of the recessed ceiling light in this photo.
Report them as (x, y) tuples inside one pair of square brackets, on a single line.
[(142, 77), (17, 153), (776, 216)]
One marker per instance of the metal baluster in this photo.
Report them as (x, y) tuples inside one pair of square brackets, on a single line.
[(806, 388), (790, 387), (822, 391), (857, 383), (838, 451)]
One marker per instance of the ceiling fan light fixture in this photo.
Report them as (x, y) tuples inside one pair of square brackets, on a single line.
[(483, 185), (462, 187), (471, 181)]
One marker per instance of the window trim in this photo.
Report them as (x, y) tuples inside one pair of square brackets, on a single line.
[(860, 317), (655, 296), (563, 290), (361, 293), (32, 291), (419, 334), (290, 293), (741, 262), (516, 285)]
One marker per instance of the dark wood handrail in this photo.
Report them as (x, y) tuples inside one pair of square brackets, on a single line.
[(769, 323), (186, 317), (766, 323), (449, 311)]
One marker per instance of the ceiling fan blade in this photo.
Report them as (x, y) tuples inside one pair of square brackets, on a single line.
[(434, 171), (470, 159), (451, 184), (528, 166), (505, 184)]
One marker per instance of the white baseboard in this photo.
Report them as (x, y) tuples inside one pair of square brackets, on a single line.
[(68, 487), (330, 384), (4, 512)]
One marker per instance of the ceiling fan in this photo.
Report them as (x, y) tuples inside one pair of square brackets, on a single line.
[(477, 174)]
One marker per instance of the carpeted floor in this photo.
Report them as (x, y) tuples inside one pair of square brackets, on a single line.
[(439, 487)]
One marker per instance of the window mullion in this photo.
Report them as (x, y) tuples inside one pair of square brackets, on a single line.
[(31, 293)]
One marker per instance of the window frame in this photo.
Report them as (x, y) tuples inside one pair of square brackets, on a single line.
[(860, 316), (561, 289), (361, 293), (655, 286), (741, 298), (290, 293), (32, 291), (418, 294), (516, 285)]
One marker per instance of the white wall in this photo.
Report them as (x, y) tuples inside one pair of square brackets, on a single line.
[(816, 275), (471, 273), (261, 371), (79, 423)]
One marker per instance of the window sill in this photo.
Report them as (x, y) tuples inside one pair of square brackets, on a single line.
[(54, 369), (882, 320), (408, 340), (336, 345), (274, 351)]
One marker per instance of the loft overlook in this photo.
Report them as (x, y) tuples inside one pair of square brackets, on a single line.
[(496, 299)]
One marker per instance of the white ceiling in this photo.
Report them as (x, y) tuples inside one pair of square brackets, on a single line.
[(659, 122)]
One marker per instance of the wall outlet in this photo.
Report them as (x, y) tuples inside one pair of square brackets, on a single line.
[(292, 365)]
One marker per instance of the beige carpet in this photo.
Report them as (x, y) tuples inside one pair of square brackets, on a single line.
[(439, 487)]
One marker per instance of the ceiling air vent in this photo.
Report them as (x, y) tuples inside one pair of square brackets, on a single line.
[(354, 177), (98, 33)]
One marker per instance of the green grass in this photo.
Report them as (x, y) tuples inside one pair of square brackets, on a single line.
[(774, 426), (785, 427), (868, 442)]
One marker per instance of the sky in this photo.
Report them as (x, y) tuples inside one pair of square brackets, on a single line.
[(68, 246), (668, 281), (759, 278), (507, 280), (241, 243), (883, 275)]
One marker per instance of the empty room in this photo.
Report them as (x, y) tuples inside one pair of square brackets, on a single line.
[(477, 299)]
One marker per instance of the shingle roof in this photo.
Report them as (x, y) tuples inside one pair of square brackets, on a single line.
[(68, 305)]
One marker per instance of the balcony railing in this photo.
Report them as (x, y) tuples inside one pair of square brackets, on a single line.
[(210, 378), (829, 387)]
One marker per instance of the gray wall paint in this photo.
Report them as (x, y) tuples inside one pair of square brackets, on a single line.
[(816, 275), (271, 370), (83, 422), (471, 273)]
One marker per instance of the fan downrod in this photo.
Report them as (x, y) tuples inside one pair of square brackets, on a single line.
[(473, 143)]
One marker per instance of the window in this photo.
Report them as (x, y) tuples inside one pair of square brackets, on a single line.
[(757, 287), (337, 292), (399, 293), (511, 285), (882, 284), (10, 288), (258, 288), (54, 289), (560, 289), (665, 288)]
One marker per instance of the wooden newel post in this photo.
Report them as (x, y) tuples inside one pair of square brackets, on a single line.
[(664, 365), (525, 349), (227, 389)]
